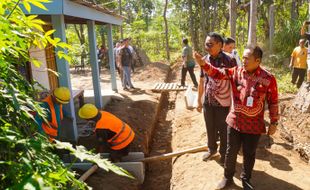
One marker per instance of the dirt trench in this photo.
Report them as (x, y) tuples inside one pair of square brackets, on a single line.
[(277, 167), (176, 128)]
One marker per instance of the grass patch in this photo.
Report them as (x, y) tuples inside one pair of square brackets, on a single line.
[(282, 73)]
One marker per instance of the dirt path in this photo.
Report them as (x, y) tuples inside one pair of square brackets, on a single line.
[(277, 168)]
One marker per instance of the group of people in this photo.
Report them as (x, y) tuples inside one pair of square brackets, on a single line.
[(232, 96), (124, 61), (113, 135), (188, 62), (125, 58)]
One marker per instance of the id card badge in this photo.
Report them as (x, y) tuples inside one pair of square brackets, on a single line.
[(249, 101)]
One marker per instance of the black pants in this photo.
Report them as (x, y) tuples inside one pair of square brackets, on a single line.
[(215, 117), (116, 155), (191, 73), (132, 65), (249, 144), (300, 74)]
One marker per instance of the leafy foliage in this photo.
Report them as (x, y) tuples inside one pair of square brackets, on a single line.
[(27, 159), (281, 71)]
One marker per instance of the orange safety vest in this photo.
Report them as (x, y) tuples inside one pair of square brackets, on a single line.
[(51, 129), (124, 134)]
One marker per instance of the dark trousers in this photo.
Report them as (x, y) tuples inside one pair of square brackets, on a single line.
[(116, 155), (132, 65), (249, 144), (300, 74), (191, 73), (215, 117)]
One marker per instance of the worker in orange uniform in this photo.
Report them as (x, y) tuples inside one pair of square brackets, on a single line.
[(112, 133), (54, 112)]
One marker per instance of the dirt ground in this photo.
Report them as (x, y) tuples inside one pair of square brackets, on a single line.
[(173, 128)]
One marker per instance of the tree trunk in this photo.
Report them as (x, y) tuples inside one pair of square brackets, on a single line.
[(233, 18), (208, 22), (253, 22), (191, 23), (120, 13), (271, 26), (166, 31), (203, 23), (214, 19), (196, 25), (102, 37), (309, 12), (293, 11), (80, 33)]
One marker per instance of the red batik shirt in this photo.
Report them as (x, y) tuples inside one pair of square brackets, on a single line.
[(245, 115)]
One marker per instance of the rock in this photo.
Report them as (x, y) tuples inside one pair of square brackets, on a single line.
[(302, 99), (304, 151), (287, 136)]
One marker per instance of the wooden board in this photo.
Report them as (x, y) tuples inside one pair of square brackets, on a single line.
[(158, 87)]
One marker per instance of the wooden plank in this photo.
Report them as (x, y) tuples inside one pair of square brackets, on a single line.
[(162, 86), (174, 86), (168, 87), (88, 173), (156, 85), (172, 154)]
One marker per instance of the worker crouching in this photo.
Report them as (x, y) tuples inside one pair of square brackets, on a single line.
[(112, 133), (54, 112)]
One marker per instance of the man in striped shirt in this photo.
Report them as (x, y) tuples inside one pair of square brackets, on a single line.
[(217, 97)]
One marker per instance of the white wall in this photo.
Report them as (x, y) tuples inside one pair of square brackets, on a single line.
[(40, 74)]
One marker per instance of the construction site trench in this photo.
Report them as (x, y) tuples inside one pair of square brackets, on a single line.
[(163, 124)]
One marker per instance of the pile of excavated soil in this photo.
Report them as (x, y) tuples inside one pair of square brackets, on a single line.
[(295, 126), (142, 58), (153, 72)]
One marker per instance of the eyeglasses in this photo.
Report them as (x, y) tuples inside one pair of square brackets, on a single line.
[(210, 45)]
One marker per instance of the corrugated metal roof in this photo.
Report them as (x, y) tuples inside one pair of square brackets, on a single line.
[(97, 7)]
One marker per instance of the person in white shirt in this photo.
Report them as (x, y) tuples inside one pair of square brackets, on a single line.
[(229, 48)]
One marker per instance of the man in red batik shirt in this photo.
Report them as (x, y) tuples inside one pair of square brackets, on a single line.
[(251, 87)]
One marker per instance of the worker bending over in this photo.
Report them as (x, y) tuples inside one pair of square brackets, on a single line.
[(54, 112), (112, 133)]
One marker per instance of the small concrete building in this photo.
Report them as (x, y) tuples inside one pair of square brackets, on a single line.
[(59, 13)]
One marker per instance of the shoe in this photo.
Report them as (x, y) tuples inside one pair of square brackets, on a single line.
[(132, 87), (208, 155), (224, 183), (247, 184), (125, 88)]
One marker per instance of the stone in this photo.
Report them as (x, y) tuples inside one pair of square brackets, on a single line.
[(302, 99)]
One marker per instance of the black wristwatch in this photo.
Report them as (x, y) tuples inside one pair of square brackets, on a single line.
[(274, 123)]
